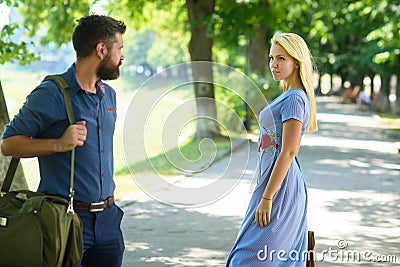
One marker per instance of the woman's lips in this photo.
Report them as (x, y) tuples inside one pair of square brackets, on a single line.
[(275, 72)]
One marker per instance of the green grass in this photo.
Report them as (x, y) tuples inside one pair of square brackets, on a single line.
[(185, 157), (396, 132), (18, 82), (391, 122), (188, 156)]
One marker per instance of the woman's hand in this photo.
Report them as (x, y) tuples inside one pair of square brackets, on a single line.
[(263, 212)]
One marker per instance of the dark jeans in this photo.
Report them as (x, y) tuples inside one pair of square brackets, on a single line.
[(102, 237)]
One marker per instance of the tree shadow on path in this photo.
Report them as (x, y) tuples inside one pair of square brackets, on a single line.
[(353, 178), (162, 235)]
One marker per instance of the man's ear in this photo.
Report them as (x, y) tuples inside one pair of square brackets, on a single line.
[(101, 50)]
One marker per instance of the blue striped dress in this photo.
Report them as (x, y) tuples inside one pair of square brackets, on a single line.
[(283, 242)]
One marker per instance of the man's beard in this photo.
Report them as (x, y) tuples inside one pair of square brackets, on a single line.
[(108, 71)]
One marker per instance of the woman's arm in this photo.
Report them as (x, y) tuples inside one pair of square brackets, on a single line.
[(291, 138)]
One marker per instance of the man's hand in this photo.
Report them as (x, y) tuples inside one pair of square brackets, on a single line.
[(20, 146), (74, 136)]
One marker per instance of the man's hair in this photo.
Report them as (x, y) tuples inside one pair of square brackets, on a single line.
[(94, 29)]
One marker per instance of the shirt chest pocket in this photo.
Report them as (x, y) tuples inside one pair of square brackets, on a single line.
[(90, 115), (109, 118)]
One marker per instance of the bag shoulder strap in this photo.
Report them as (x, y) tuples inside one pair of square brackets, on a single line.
[(10, 175), (63, 86)]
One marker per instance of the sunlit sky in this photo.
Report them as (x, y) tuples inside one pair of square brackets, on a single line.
[(4, 12)]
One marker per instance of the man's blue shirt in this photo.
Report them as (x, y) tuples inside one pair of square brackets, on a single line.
[(43, 115)]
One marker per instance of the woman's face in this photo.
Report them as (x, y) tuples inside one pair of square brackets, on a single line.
[(281, 64)]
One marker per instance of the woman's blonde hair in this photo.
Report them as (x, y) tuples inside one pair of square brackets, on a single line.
[(297, 48)]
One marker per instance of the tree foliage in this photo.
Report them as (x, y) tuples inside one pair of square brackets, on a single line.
[(350, 38), (11, 50), (53, 20), (167, 31)]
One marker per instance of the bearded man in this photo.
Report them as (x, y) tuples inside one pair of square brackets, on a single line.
[(41, 129)]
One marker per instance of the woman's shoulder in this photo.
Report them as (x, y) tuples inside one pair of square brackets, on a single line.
[(296, 91), (295, 94), (289, 94)]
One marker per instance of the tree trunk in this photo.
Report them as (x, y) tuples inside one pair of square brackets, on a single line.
[(398, 94), (257, 51), (257, 48), (257, 58), (357, 80), (382, 102), (200, 49), (318, 90), (19, 181), (372, 96)]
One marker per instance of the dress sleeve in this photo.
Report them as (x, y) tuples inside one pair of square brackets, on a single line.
[(293, 107)]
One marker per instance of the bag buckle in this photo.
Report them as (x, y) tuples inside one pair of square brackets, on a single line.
[(97, 206), (70, 208), (3, 221)]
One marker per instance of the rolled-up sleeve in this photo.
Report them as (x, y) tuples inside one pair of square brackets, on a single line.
[(40, 110)]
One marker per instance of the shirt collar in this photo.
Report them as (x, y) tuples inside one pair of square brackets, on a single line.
[(100, 84), (71, 78), (70, 75)]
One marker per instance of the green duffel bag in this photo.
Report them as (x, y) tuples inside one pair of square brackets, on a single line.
[(36, 230)]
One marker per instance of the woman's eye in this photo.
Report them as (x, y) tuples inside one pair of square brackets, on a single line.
[(281, 58)]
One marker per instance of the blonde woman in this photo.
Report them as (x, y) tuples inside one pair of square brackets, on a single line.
[(274, 230)]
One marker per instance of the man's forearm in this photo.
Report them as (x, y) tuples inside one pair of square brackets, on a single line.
[(20, 146)]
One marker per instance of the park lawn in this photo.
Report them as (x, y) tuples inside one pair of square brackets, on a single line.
[(391, 122), (190, 156), (192, 152), (18, 82)]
